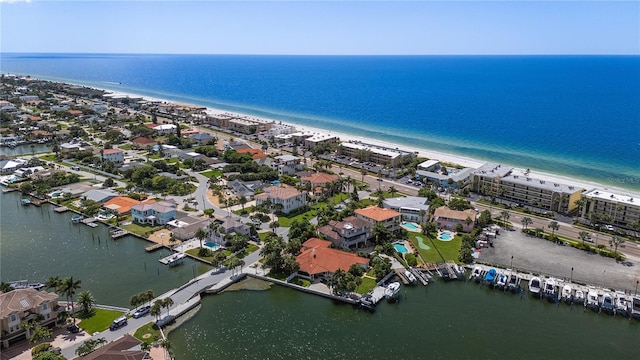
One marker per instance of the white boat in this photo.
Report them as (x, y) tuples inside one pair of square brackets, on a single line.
[(550, 290), (607, 303), (622, 304), (476, 273), (514, 282), (392, 290), (176, 259), (501, 281), (592, 301), (535, 285), (578, 297), (409, 275), (635, 307), (566, 295)]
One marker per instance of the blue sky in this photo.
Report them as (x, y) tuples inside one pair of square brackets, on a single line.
[(321, 27)]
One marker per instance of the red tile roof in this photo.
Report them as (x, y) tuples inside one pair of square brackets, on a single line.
[(320, 178), (123, 204), (318, 258), (376, 213), (143, 140), (255, 153)]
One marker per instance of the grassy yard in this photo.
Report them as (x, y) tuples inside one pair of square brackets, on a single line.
[(138, 229), (148, 333), (210, 173), (367, 285), (448, 249), (124, 147), (286, 220), (194, 252), (51, 157), (99, 321)]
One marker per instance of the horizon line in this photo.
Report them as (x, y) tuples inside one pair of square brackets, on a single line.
[(302, 55)]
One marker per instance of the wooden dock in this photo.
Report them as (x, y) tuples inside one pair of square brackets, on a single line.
[(91, 222), (153, 247), (118, 233), (61, 209)]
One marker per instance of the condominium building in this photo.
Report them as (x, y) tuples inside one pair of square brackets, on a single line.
[(611, 208), (312, 142), (486, 178), (374, 153), (539, 193)]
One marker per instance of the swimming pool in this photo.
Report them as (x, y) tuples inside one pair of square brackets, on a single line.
[(401, 248), (411, 226), (445, 236), (212, 245)]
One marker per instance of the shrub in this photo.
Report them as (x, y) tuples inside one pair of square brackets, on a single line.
[(203, 252), (40, 348), (411, 259)]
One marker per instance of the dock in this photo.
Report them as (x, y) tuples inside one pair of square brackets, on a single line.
[(154, 247), (118, 233), (91, 222), (61, 209)]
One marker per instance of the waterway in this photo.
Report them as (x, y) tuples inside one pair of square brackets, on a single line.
[(25, 149), (37, 243), (457, 320)]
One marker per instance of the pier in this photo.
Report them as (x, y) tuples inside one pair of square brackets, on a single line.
[(154, 247), (61, 209), (90, 221)]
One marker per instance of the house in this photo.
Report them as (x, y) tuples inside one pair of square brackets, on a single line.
[(412, 208), (317, 181), (244, 188), (9, 166), (157, 213), (99, 195), (116, 156), (72, 147), (165, 129), (286, 164), (201, 139), (143, 143), (446, 218), (319, 262), (255, 153), (289, 198), (389, 218), (21, 305), (350, 232), (123, 204), (185, 228), (126, 347)]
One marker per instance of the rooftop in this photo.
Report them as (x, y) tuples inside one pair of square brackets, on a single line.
[(541, 184), (377, 214), (493, 170), (279, 192), (316, 258), (385, 151), (628, 199), (445, 212), (22, 300), (320, 178), (408, 202)]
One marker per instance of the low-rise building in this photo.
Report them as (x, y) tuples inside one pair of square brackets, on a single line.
[(605, 206), (312, 142), (319, 262), (539, 193), (116, 156), (165, 129), (412, 208), (287, 164), (288, 197), (158, 213), (350, 232), (375, 153), (389, 218), (486, 178), (446, 218), (21, 305)]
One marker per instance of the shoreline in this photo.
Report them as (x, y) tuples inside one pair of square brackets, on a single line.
[(441, 156)]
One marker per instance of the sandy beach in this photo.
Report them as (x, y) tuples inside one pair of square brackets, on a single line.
[(423, 152)]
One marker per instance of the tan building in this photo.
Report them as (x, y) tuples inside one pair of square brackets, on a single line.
[(290, 198), (320, 139), (372, 214), (374, 153), (539, 193), (21, 305), (603, 206), (486, 179), (446, 218)]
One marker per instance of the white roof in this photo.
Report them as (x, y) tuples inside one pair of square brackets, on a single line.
[(429, 163), (605, 194), (374, 149)]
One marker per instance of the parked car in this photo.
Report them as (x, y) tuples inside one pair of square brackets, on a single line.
[(73, 328), (141, 312), (118, 323)]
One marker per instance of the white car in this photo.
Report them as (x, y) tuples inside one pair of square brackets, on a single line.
[(610, 227)]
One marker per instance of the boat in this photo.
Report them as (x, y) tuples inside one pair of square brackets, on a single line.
[(635, 307), (514, 283), (476, 274), (501, 281), (549, 290), (176, 259), (24, 284), (622, 304), (366, 301), (76, 219), (535, 286), (409, 275), (592, 301), (490, 277), (392, 290), (578, 297), (607, 305), (567, 294)]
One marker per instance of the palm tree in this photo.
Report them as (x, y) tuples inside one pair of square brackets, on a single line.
[(135, 301), (468, 221), (68, 288), (167, 303), (583, 235), (615, 242), (156, 309), (201, 234), (166, 344), (5, 288), (526, 221), (393, 191), (53, 283), (505, 217), (87, 301), (553, 225), (148, 296)]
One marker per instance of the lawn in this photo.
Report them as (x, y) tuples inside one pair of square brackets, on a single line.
[(48, 157), (99, 321), (124, 147), (285, 220), (210, 173), (194, 252), (448, 249), (141, 230), (148, 333), (367, 285)]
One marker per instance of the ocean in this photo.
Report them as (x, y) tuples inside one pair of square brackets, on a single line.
[(577, 116)]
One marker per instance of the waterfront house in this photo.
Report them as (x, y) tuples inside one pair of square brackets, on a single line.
[(123, 204), (9, 166), (389, 218), (290, 198), (21, 305), (446, 218), (157, 213), (126, 347), (350, 232), (412, 208), (99, 195), (319, 262), (185, 228)]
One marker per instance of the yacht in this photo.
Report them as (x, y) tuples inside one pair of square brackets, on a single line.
[(535, 286), (607, 304), (409, 275), (566, 295), (622, 304), (476, 274), (176, 259), (501, 281), (549, 290), (392, 290), (592, 301), (490, 277)]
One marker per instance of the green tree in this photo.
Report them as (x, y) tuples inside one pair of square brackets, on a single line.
[(526, 221), (553, 225), (583, 235), (156, 309), (615, 242), (68, 288), (86, 301), (201, 234)]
